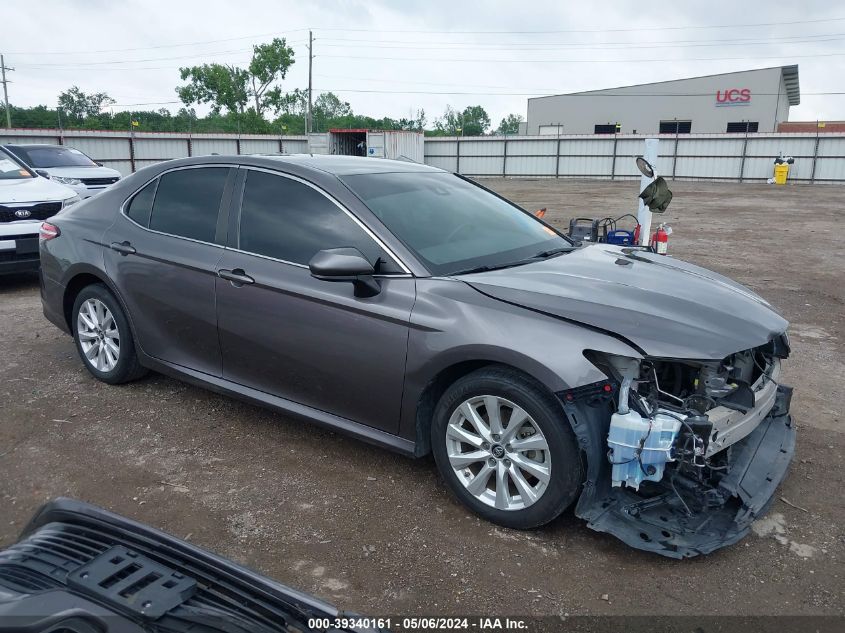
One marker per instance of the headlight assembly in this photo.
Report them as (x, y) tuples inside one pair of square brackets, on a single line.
[(66, 181), (69, 201)]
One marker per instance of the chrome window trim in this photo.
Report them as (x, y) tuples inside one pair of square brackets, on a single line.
[(352, 216), (156, 177), (298, 265)]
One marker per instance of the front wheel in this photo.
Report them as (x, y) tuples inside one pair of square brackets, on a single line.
[(505, 449)]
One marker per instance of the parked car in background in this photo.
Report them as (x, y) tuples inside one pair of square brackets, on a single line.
[(419, 311), (26, 199), (67, 166), (79, 569)]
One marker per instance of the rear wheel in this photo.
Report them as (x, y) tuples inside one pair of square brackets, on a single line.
[(505, 448), (102, 336)]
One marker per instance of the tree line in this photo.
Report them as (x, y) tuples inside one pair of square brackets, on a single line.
[(246, 100)]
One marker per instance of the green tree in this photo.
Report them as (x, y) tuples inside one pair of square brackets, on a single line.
[(476, 121), (473, 121), (231, 88), (510, 124), (77, 105)]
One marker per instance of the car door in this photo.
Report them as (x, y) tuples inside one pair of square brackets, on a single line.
[(290, 335), (163, 253)]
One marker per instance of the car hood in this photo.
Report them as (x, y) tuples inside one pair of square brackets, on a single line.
[(82, 172), (33, 190), (665, 307)]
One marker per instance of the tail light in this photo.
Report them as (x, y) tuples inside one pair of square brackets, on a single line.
[(48, 231)]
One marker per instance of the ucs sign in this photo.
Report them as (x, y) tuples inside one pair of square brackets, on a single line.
[(733, 97)]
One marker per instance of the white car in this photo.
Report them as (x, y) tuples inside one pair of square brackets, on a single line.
[(26, 200), (67, 166)]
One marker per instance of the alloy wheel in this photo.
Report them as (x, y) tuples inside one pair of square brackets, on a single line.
[(498, 452), (99, 337)]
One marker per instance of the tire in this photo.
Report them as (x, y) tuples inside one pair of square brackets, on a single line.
[(541, 449), (111, 359)]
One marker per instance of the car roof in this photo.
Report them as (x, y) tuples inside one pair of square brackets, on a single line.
[(349, 165), (36, 145), (325, 164)]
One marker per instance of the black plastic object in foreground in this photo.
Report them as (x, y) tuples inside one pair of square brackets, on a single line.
[(79, 568)]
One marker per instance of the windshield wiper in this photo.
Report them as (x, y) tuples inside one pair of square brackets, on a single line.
[(554, 251), (484, 269)]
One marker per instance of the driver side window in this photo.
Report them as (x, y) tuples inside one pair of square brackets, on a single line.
[(288, 220)]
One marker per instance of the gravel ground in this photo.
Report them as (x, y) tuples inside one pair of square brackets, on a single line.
[(377, 533)]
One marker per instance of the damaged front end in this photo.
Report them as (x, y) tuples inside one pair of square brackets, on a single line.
[(683, 455)]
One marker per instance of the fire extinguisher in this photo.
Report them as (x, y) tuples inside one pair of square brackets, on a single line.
[(660, 240)]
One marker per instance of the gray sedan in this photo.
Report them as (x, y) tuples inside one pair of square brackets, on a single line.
[(417, 310)]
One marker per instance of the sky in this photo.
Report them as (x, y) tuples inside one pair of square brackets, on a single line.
[(391, 58)]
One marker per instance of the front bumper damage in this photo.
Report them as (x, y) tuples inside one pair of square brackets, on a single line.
[(663, 521)]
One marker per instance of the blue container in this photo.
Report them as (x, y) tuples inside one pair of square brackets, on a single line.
[(620, 237)]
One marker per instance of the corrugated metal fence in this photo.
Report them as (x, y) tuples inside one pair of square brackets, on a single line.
[(128, 152), (818, 158)]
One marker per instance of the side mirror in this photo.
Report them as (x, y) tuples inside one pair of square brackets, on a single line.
[(345, 264), (42, 173), (645, 167)]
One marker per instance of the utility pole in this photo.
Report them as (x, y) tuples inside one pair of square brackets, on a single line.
[(3, 70), (309, 122)]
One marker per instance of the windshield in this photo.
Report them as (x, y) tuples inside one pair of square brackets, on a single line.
[(46, 157), (11, 170), (451, 224)]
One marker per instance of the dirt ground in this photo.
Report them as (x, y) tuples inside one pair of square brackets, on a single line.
[(377, 533)]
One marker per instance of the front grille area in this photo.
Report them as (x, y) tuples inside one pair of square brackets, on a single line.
[(99, 181), (40, 211), (7, 256)]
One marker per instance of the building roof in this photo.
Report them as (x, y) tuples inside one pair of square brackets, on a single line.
[(789, 74)]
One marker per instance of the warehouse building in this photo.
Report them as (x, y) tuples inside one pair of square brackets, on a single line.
[(746, 101)]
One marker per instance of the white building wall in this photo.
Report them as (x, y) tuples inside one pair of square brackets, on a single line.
[(639, 109)]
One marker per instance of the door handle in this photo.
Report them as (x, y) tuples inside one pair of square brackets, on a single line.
[(124, 248), (237, 276)]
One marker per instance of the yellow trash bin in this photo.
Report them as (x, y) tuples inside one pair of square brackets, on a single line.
[(781, 173)]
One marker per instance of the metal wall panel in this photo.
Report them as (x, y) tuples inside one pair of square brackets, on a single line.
[(161, 148), (698, 155), (100, 148), (532, 166), (539, 146), (785, 145), (492, 147), (481, 165), (585, 165), (831, 146), (592, 146), (206, 146), (123, 166), (830, 169), (294, 146), (260, 146), (708, 167)]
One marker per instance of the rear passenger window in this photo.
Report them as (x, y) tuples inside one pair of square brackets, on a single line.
[(141, 206), (286, 219), (187, 202)]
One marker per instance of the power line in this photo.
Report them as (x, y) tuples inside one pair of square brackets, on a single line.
[(441, 32), (153, 59), (476, 43), (602, 30), (582, 46), (587, 61), (149, 48)]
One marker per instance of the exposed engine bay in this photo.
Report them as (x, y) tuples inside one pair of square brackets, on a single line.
[(691, 451)]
